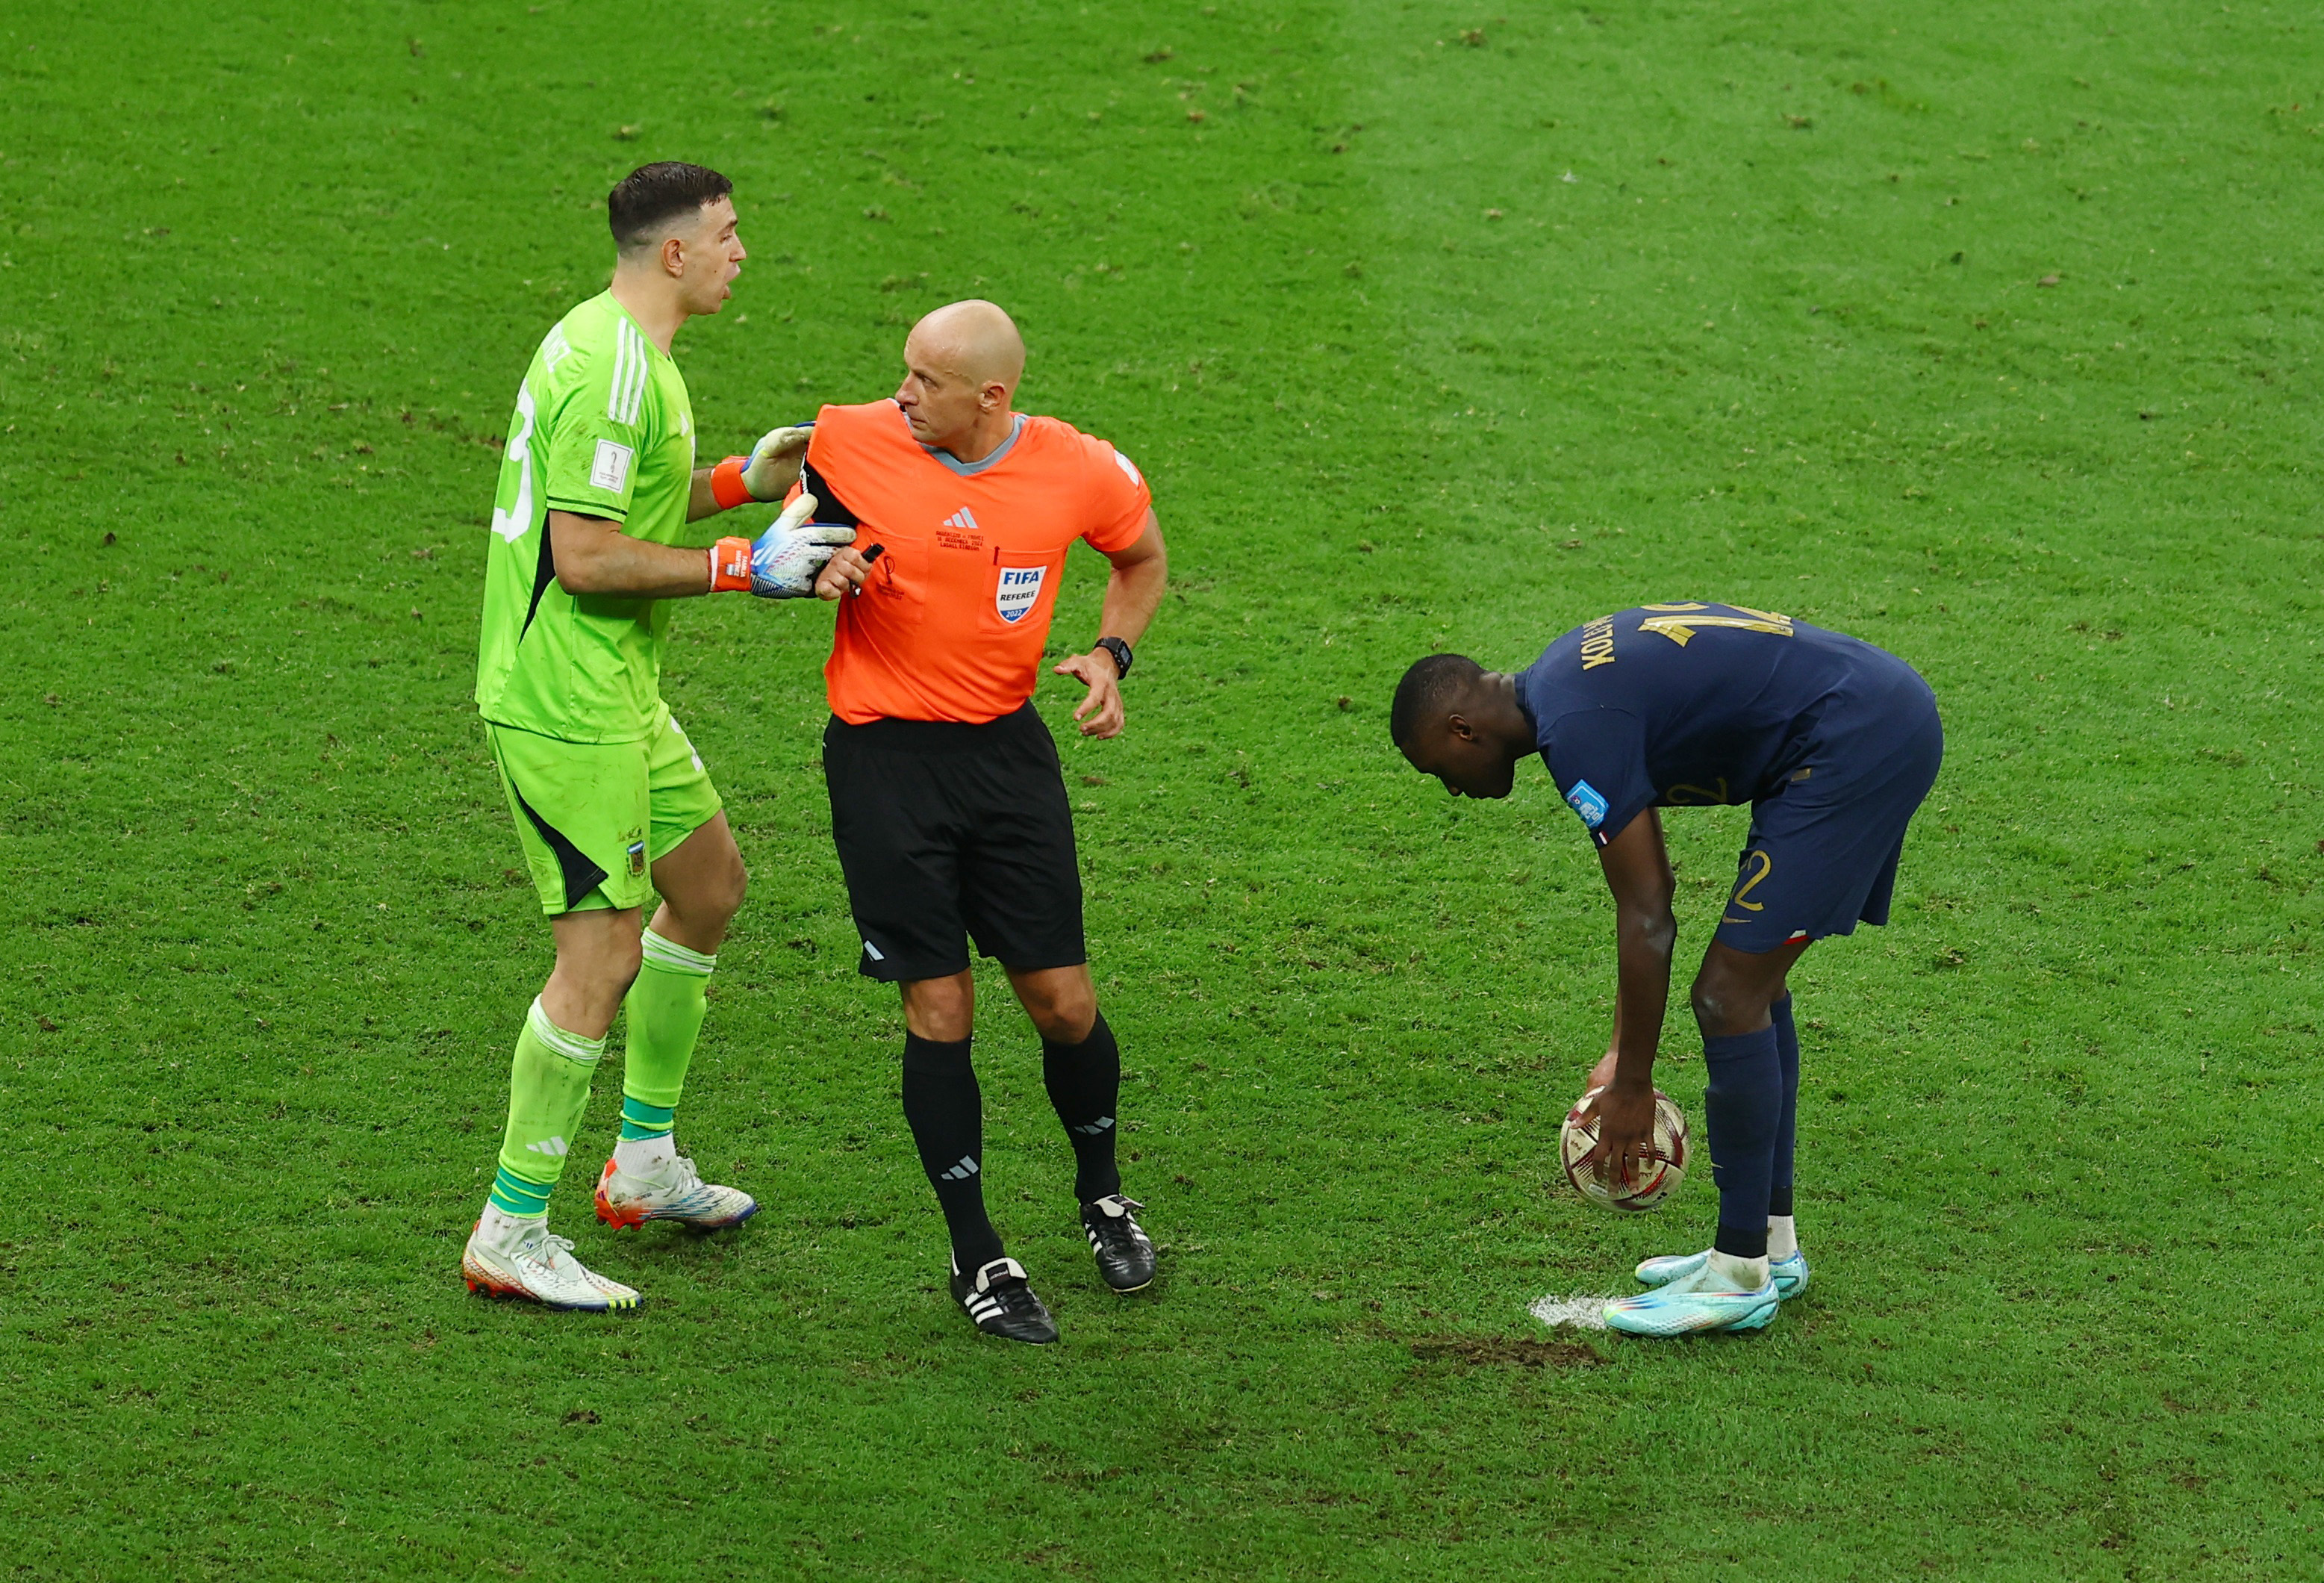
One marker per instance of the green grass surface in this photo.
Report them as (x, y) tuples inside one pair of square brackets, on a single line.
[(1421, 341)]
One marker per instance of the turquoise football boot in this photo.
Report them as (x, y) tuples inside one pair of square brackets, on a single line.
[(1693, 1304), (1790, 1275)]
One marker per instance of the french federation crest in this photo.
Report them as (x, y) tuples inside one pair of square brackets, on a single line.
[(1019, 587)]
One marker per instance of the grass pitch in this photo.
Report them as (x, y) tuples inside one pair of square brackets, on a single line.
[(1986, 332)]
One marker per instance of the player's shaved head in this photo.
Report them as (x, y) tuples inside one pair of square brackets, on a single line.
[(1455, 719), (1431, 689), (973, 341)]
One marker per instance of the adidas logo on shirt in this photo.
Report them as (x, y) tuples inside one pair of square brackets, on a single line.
[(555, 1148), (964, 519)]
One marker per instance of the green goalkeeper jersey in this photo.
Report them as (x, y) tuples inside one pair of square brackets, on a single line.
[(602, 428)]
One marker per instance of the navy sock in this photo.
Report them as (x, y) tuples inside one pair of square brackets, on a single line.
[(1744, 1104), (1085, 1084), (945, 1110), (1787, 1050)]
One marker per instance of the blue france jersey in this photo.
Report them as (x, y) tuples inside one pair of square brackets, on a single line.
[(1664, 706)]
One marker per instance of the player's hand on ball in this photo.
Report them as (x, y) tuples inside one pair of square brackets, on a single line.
[(1603, 1074), (786, 559), (1101, 713), (1626, 1132), (775, 460)]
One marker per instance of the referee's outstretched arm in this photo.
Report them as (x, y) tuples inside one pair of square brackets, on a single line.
[(1132, 593)]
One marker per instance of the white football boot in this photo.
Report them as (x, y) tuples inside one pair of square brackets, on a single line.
[(507, 1256), (674, 1193)]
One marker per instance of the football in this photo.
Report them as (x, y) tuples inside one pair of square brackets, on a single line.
[(1664, 1168)]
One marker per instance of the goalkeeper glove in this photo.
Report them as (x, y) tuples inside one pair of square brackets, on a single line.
[(766, 474), (783, 562)]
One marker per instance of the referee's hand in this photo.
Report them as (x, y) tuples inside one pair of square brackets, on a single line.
[(843, 575), (1100, 714)]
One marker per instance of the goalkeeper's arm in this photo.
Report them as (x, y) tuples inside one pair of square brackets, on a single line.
[(592, 555), (766, 475)]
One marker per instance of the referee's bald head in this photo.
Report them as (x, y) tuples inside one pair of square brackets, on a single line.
[(974, 340), (961, 368)]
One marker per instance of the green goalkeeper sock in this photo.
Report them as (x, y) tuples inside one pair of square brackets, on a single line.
[(641, 1121), (665, 1008), (548, 1088)]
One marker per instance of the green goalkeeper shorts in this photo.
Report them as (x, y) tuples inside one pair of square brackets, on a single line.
[(595, 817)]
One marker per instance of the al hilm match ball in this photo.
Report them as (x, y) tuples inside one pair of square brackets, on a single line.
[(1650, 1182)]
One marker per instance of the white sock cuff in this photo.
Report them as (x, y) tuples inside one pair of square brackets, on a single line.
[(571, 1046), (497, 1223), (667, 954), (658, 1151)]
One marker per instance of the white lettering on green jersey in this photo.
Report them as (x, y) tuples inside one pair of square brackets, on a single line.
[(602, 428)]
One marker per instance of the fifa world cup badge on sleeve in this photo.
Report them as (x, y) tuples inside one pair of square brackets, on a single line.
[(1588, 802), (1019, 587), (610, 467)]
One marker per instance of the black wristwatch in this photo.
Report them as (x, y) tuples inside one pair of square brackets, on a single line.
[(1121, 653)]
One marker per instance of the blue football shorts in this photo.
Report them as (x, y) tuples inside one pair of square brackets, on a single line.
[(1823, 853)]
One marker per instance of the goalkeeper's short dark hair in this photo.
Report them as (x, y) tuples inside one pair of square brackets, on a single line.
[(640, 209), (1428, 688)]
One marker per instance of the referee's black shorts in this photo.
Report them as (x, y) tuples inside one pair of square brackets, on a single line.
[(947, 830)]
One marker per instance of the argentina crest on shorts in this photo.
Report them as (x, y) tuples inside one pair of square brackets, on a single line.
[(1019, 587)]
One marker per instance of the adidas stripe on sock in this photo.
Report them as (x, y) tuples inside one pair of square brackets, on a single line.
[(549, 1089)]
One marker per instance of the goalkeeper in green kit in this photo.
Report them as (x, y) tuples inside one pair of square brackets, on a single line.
[(591, 537)]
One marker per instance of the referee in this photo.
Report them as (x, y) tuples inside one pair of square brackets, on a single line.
[(946, 801)]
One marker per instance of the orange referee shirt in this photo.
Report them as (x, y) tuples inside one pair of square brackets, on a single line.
[(951, 624)]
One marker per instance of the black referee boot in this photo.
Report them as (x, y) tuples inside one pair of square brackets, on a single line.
[(1125, 1256), (1001, 1302)]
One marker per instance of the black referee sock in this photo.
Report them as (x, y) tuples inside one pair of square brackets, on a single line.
[(945, 1111), (1085, 1084)]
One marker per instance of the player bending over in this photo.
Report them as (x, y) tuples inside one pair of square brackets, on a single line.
[(1834, 743), (610, 798)]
